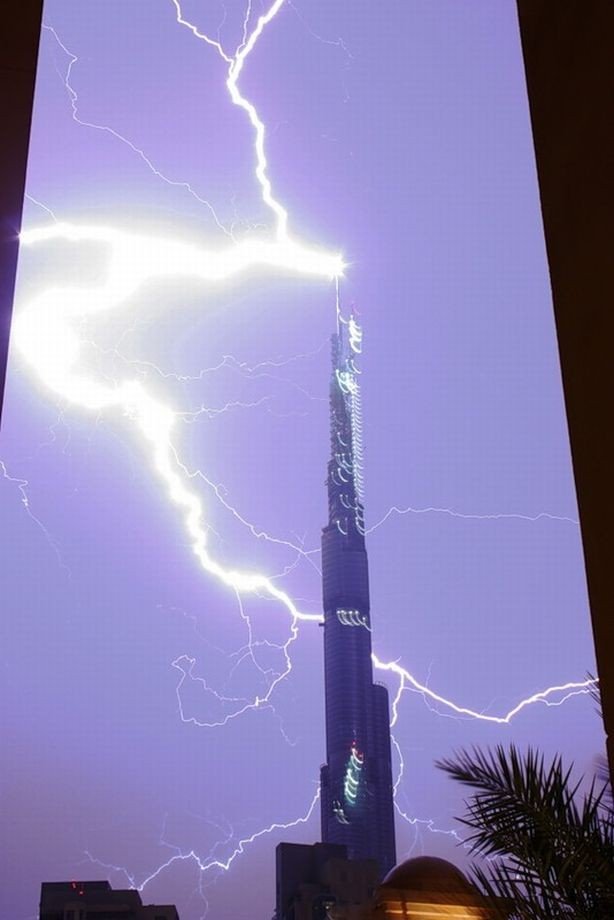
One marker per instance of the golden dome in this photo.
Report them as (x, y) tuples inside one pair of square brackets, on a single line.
[(428, 873)]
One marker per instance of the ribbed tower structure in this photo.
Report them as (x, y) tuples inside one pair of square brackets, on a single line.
[(356, 781)]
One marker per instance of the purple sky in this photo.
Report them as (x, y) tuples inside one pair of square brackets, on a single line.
[(399, 135)]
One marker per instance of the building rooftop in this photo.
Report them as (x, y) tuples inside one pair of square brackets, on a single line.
[(428, 873)]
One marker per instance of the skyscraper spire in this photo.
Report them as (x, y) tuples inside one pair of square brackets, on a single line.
[(356, 781), (345, 484)]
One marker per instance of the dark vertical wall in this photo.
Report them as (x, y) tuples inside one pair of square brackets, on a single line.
[(19, 39), (568, 49)]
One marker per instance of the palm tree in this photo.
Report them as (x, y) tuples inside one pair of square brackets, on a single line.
[(550, 849)]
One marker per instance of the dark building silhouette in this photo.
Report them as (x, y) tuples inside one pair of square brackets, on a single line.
[(567, 50), (98, 901), (356, 781), (315, 881), (319, 882), (21, 24)]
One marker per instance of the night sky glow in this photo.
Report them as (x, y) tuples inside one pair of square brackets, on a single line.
[(207, 183)]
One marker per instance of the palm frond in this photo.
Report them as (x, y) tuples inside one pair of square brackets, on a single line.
[(552, 856)]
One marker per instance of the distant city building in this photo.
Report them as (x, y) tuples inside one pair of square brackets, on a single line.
[(356, 782), (319, 881), (97, 901)]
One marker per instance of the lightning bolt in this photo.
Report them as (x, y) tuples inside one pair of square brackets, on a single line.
[(542, 515), (135, 260), (335, 42), (106, 129), (428, 824), (45, 335), (22, 487), (408, 682), (185, 665), (256, 532), (206, 864), (236, 63), (55, 358), (43, 207)]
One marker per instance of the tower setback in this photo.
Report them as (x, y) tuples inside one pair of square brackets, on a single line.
[(356, 782)]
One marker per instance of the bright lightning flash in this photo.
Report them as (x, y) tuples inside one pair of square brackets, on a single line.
[(46, 333), (44, 330)]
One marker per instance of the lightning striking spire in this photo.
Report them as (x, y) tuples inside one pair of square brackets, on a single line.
[(45, 331), (46, 334)]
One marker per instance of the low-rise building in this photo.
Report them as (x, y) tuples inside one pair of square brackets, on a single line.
[(96, 900)]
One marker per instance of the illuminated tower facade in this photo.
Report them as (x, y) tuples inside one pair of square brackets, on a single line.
[(356, 781)]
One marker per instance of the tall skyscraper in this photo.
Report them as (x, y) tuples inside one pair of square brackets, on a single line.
[(356, 781)]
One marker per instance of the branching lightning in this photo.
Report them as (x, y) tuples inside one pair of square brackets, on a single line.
[(46, 333), (543, 515), (408, 682), (22, 487), (428, 824), (45, 337), (235, 67), (205, 864), (43, 207), (240, 705), (74, 104), (256, 532)]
